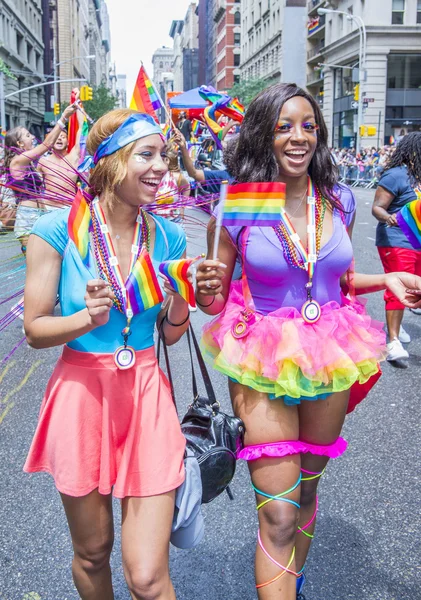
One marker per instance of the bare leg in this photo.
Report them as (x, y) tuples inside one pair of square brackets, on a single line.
[(320, 423), (394, 321), (272, 421), (145, 538), (90, 521)]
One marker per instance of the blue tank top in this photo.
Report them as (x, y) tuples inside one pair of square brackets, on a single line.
[(170, 244)]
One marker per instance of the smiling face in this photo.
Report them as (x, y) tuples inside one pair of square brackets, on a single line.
[(26, 140), (147, 165), (295, 137)]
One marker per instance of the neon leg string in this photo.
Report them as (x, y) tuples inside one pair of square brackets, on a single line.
[(311, 475), (279, 498)]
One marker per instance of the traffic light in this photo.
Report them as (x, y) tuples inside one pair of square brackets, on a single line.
[(363, 130), (371, 130), (357, 92), (86, 93), (56, 108)]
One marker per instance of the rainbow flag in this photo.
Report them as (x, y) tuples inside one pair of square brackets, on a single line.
[(143, 291), (196, 125), (313, 25), (166, 130), (176, 272), (254, 204), (409, 220), (145, 99), (78, 225)]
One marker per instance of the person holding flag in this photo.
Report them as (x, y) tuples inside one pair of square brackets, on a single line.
[(290, 335), (108, 424)]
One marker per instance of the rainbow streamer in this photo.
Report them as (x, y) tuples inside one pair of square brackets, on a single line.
[(177, 273), (254, 204), (213, 126), (78, 225), (409, 220), (145, 99), (143, 291)]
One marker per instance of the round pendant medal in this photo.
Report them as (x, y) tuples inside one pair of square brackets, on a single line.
[(125, 357), (311, 311)]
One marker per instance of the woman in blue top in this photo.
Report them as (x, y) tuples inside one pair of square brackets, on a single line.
[(107, 421), (399, 184)]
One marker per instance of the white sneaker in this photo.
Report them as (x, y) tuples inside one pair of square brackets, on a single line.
[(404, 336), (192, 308), (416, 311), (396, 350)]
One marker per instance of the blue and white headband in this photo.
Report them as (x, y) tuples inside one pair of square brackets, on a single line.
[(134, 128)]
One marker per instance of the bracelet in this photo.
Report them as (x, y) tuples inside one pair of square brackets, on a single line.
[(176, 324), (205, 305), (61, 124)]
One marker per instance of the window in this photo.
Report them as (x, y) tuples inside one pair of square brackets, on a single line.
[(237, 18), (19, 43), (404, 71), (236, 79), (161, 65), (237, 39), (236, 60), (419, 12), (398, 10)]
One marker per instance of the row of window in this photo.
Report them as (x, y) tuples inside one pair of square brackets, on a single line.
[(398, 12), (264, 65), (30, 15)]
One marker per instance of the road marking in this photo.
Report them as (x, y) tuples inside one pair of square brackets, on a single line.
[(5, 371), (363, 223), (32, 596), (370, 238), (15, 390)]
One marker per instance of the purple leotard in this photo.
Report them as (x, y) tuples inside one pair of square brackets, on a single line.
[(274, 283)]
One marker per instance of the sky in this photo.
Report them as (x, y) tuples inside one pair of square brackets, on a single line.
[(138, 28)]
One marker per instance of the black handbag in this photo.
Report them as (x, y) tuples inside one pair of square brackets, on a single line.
[(213, 436)]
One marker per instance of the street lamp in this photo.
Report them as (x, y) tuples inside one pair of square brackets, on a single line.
[(62, 62), (362, 57)]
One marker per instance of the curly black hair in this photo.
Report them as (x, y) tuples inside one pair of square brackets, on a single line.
[(408, 153), (250, 157)]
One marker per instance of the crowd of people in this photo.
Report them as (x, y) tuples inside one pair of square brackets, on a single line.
[(365, 167), (289, 334)]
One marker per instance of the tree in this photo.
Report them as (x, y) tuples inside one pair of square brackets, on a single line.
[(247, 89), (102, 102)]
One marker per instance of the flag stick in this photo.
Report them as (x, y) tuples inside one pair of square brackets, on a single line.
[(222, 198), (83, 111)]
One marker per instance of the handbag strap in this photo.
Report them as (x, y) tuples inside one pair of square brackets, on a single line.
[(203, 369)]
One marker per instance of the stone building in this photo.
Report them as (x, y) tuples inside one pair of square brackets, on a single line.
[(22, 51)]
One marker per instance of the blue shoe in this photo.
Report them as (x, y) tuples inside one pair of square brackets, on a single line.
[(301, 597), (300, 584)]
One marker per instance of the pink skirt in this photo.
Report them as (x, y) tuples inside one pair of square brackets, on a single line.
[(102, 428)]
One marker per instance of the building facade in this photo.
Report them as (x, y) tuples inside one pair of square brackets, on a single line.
[(261, 38), (392, 80), (22, 52), (162, 60), (185, 65), (176, 32), (121, 90), (227, 17)]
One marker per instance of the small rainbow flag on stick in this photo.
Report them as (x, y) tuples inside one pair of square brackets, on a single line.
[(143, 291), (196, 126), (257, 204), (78, 225), (166, 130), (145, 98), (409, 220), (177, 273)]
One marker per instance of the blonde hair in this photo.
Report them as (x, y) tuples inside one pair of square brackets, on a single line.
[(111, 170), (172, 155)]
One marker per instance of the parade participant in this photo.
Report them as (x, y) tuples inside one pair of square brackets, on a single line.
[(185, 126), (20, 163), (59, 169), (172, 187), (290, 341), (211, 179), (107, 422), (397, 187)]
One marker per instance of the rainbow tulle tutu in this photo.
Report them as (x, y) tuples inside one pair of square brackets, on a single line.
[(282, 355)]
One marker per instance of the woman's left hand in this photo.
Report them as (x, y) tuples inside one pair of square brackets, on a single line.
[(406, 287)]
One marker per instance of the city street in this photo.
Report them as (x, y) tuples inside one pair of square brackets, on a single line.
[(367, 544)]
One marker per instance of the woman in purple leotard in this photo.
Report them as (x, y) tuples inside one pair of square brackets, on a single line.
[(292, 341)]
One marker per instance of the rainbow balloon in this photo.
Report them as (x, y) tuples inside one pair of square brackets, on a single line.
[(176, 272), (409, 220), (78, 225), (254, 204)]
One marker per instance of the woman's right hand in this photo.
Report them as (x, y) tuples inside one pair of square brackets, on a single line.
[(70, 110), (209, 276), (99, 300), (392, 221)]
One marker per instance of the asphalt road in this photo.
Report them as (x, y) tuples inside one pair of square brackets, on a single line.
[(367, 545)]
